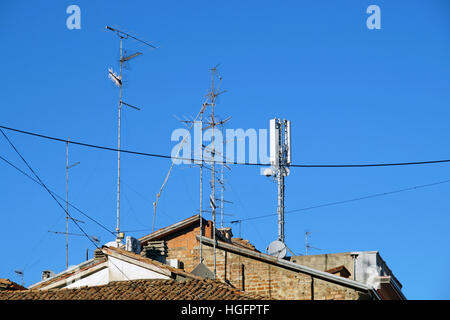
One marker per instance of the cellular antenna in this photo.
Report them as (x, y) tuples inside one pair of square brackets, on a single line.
[(117, 79), (280, 159)]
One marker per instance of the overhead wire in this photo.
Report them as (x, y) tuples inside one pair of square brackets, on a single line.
[(354, 165), (45, 186), (61, 198), (345, 201), (59, 204)]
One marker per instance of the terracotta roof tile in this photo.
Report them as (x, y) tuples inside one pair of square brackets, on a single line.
[(150, 289), (6, 284), (243, 243)]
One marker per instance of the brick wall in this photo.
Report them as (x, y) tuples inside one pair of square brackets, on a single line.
[(252, 275)]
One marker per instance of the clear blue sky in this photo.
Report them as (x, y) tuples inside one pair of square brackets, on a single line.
[(353, 95)]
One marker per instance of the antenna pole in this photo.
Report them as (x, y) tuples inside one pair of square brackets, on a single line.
[(213, 168), (118, 80), (67, 203), (280, 180), (222, 185), (280, 155), (307, 233), (118, 146), (20, 274), (201, 189)]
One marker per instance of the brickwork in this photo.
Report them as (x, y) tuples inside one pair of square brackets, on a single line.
[(252, 275), (273, 281)]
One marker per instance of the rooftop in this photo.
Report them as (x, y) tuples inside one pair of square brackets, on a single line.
[(150, 289)]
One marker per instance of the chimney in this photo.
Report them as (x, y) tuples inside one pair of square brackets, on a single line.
[(47, 274), (227, 233), (98, 254), (156, 250)]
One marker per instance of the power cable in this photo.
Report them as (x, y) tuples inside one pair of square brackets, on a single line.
[(61, 198), (43, 184), (231, 162), (345, 201), (54, 198)]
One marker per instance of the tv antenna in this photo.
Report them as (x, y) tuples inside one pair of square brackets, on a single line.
[(20, 274), (93, 238), (117, 79), (280, 159), (307, 244), (67, 200), (211, 101)]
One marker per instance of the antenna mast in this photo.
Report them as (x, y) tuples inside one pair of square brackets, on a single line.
[(280, 159), (213, 187), (20, 274), (67, 200), (117, 79), (212, 95)]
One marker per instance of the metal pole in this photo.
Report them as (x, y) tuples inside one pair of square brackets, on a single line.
[(222, 185), (201, 190), (67, 203), (118, 147), (213, 169), (280, 205), (280, 180), (306, 243)]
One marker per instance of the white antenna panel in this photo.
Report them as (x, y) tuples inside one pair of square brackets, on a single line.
[(274, 142), (287, 141)]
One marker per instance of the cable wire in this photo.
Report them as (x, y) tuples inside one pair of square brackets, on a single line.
[(54, 198), (345, 201), (230, 162), (43, 184), (61, 198)]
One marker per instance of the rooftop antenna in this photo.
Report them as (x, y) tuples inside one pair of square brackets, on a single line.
[(67, 200), (200, 164), (212, 95), (307, 244), (117, 79), (280, 159), (20, 274), (222, 181), (307, 234), (93, 238)]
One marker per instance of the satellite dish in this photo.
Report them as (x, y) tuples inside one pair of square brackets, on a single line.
[(277, 249), (268, 172)]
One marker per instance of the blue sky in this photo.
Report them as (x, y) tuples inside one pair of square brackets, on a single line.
[(353, 95)]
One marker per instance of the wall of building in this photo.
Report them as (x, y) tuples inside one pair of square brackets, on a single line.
[(324, 262), (270, 280), (252, 275), (97, 278), (368, 265), (120, 270)]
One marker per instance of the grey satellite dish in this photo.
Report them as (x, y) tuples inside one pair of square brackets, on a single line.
[(277, 249)]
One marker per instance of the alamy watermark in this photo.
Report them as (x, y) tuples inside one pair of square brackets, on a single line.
[(234, 146), (374, 20), (74, 20)]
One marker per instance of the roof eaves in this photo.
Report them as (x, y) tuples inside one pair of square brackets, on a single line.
[(148, 263), (169, 229), (86, 265)]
